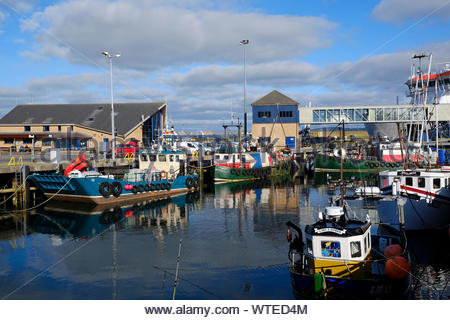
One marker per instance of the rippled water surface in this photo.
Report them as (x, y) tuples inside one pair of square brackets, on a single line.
[(233, 246)]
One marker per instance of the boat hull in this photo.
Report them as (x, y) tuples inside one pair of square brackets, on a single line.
[(419, 215), (303, 287), (323, 163), (88, 189), (230, 174)]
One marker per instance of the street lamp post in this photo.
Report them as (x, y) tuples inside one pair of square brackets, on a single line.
[(243, 43), (110, 57)]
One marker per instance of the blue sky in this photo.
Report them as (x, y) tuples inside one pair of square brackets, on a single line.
[(187, 52)]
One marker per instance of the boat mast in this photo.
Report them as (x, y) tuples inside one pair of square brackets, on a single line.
[(342, 163)]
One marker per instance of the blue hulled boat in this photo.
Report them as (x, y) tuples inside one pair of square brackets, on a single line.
[(94, 188)]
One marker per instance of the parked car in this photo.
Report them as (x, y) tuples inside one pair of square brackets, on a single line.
[(188, 147)]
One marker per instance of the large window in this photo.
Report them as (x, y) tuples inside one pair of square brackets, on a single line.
[(331, 249), (355, 249), (151, 129), (45, 128), (264, 114), (8, 141)]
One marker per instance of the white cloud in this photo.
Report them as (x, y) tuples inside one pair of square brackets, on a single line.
[(398, 11), (151, 36)]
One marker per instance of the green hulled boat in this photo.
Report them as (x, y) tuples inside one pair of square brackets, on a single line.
[(323, 163), (227, 174)]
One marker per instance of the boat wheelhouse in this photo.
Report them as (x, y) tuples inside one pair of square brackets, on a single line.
[(330, 243), (170, 163), (343, 259)]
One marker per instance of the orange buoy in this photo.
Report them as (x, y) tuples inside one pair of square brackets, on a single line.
[(397, 268), (392, 251)]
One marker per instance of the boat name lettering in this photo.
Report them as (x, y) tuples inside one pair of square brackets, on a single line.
[(329, 230), (408, 173)]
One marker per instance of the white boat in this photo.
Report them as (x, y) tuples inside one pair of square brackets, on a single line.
[(428, 198)]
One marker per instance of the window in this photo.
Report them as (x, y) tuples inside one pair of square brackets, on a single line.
[(365, 244), (27, 140), (226, 157), (144, 157), (217, 157), (309, 246), (171, 158), (409, 181), (47, 142), (264, 114), (45, 128), (286, 114), (331, 249), (8, 141), (59, 128), (71, 128), (436, 183), (421, 182), (355, 249), (177, 158), (152, 157), (162, 158), (27, 128)]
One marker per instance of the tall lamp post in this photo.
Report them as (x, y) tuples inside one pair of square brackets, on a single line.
[(110, 57), (243, 43)]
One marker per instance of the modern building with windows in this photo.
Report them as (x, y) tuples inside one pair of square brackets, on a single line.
[(80, 126), (275, 120)]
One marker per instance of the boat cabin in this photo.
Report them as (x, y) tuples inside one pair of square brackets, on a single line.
[(418, 183), (170, 163), (336, 245)]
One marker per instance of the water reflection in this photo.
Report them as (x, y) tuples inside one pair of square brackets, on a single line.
[(234, 245)]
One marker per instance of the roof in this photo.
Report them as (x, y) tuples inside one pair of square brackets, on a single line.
[(93, 115), (275, 98)]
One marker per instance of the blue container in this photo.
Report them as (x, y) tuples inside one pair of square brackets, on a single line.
[(442, 156), (290, 142)]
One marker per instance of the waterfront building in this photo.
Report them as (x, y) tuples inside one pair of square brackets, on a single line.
[(275, 120), (80, 126)]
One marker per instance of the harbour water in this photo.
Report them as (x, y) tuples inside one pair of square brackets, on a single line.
[(233, 246)]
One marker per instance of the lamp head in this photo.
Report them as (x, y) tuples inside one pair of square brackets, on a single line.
[(243, 42), (106, 54)]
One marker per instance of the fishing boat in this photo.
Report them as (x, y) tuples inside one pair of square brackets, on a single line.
[(324, 163), (342, 259), (96, 188), (235, 161), (428, 197)]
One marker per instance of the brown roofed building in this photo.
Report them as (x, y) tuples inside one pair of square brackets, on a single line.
[(80, 126)]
